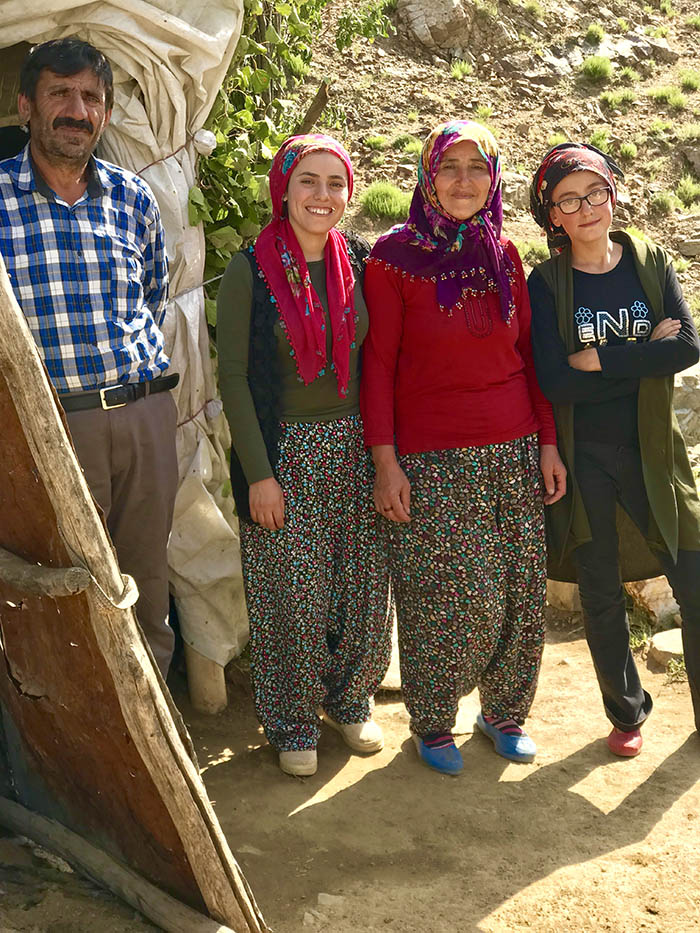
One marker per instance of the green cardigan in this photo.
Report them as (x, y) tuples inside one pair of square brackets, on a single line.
[(674, 520)]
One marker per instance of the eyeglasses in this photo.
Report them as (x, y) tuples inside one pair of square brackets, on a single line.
[(594, 198)]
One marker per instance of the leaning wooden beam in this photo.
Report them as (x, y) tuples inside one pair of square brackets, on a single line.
[(168, 913), (41, 581), (75, 676)]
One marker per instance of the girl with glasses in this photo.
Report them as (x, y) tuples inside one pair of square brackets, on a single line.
[(610, 329)]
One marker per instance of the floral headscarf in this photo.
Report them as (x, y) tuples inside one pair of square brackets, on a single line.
[(284, 267), (559, 162), (462, 256)]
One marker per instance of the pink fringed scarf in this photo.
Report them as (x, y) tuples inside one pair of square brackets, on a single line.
[(284, 267)]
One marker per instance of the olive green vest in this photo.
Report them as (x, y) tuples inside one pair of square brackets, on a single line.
[(674, 520)]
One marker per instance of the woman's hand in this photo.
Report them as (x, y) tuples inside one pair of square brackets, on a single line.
[(392, 491), (553, 473), (586, 361), (266, 501), (668, 327)]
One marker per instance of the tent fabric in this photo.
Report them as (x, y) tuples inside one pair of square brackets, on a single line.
[(169, 59)]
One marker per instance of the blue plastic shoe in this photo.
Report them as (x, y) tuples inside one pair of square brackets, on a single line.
[(446, 760), (512, 747)]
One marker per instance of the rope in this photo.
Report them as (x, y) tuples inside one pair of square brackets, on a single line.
[(163, 159), (196, 414)]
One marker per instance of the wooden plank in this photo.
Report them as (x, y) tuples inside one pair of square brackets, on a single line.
[(79, 684)]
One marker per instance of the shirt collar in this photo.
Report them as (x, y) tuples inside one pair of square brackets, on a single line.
[(29, 177)]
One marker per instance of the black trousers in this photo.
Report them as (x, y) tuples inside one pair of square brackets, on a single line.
[(607, 474)]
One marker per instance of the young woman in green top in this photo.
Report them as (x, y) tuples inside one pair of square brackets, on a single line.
[(610, 328), (291, 320)]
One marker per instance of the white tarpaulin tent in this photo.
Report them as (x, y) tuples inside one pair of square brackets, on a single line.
[(169, 59)]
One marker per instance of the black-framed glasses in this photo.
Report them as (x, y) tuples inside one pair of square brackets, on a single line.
[(595, 198)]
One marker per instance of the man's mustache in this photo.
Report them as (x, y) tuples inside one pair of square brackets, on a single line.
[(73, 124)]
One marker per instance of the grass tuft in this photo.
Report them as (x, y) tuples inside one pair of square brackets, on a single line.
[(618, 100), (601, 139), (532, 252), (460, 69), (376, 142), (628, 152), (623, 25), (670, 96), (663, 202), (556, 138), (659, 127), (690, 80), (688, 190), (533, 9), (385, 201), (693, 22), (594, 34), (629, 76), (597, 69), (689, 132)]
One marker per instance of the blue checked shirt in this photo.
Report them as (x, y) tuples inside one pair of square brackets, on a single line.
[(91, 278)]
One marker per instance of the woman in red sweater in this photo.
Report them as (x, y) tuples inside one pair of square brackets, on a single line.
[(448, 379)]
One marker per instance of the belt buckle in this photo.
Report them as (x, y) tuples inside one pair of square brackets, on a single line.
[(105, 404)]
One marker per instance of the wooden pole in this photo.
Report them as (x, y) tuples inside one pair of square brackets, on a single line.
[(167, 912), (315, 110), (35, 580), (206, 683)]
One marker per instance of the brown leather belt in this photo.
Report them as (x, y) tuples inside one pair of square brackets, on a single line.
[(117, 396)]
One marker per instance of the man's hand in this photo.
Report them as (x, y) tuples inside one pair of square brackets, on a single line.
[(266, 501), (392, 491), (586, 360), (553, 473)]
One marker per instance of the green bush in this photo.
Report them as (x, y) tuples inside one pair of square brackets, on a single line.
[(414, 147), (376, 142), (597, 69), (688, 190), (412, 116), (533, 9), (594, 34), (670, 96), (484, 113), (690, 80), (618, 100), (556, 139), (601, 139), (385, 201), (623, 25), (460, 69), (666, 8), (628, 152), (693, 22), (659, 127)]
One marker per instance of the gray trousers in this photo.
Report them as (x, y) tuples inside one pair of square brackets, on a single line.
[(130, 464)]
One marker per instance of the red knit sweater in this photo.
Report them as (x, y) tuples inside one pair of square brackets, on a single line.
[(433, 381)]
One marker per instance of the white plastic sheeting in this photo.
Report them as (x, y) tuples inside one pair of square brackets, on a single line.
[(169, 59)]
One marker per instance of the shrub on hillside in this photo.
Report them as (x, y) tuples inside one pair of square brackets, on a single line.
[(597, 69), (385, 201)]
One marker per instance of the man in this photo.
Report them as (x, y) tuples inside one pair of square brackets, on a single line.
[(83, 244)]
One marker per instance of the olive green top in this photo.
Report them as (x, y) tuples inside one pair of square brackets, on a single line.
[(318, 401)]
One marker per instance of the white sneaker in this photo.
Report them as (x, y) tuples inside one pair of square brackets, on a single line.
[(299, 764), (359, 736)]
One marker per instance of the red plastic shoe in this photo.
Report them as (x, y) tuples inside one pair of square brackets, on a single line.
[(625, 744)]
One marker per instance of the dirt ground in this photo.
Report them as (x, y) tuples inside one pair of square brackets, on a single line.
[(577, 841)]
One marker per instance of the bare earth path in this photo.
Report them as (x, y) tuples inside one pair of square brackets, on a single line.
[(577, 841)]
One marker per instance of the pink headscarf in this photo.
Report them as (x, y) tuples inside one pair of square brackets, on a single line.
[(284, 267)]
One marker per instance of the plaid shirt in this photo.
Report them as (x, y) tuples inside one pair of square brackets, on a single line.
[(91, 278)]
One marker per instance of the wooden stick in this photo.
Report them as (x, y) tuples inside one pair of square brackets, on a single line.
[(167, 912), (315, 109), (35, 580)]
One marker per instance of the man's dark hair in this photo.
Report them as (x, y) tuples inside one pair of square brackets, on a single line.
[(65, 57)]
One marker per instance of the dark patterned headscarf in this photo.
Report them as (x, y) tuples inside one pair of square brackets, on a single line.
[(462, 257), (559, 162)]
